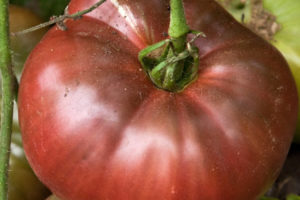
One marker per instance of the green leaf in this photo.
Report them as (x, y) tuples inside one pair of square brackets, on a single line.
[(53, 7), (53, 197), (289, 197), (18, 2)]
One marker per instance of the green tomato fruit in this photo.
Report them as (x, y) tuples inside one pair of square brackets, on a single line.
[(279, 23)]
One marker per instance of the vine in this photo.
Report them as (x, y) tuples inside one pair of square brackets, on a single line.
[(7, 99), (59, 20)]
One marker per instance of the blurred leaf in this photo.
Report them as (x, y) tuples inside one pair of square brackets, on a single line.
[(53, 7), (293, 197), (268, 198), (44, 8), (52, 197), (18, 2), (289, 197)]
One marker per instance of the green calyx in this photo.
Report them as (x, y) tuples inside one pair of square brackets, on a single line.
[(167, 69), (173, 63)]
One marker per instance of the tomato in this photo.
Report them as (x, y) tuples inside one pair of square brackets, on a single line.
[(21, 18), (95, 127)]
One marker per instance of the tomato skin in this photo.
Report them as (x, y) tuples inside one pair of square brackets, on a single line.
[(95, 127)]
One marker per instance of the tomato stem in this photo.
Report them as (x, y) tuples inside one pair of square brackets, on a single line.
[(59, 20), (178, 28), (174, 64), (7, 99)]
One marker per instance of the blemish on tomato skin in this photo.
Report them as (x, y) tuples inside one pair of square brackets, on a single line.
[(67, 90), (77, 82)]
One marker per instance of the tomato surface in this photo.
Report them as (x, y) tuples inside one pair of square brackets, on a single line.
[(95, 127)]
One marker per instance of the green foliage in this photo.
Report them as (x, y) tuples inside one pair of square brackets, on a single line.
[(18, 2), (53, 7), (44, 8), (289, 197), (293, 197), (267, 198)]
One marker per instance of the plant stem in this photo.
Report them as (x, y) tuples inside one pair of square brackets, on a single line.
[(7, 99), (60, 19), (175, 64), (178, 28)]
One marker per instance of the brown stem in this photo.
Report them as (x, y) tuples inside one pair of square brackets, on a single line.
[(59, 20)]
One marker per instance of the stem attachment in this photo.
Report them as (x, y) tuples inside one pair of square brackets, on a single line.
[(173, 63)]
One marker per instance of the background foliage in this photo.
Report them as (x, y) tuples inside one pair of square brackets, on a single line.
[(44, 8)]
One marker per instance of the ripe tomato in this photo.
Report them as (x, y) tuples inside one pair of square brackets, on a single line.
[(95, 127)]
